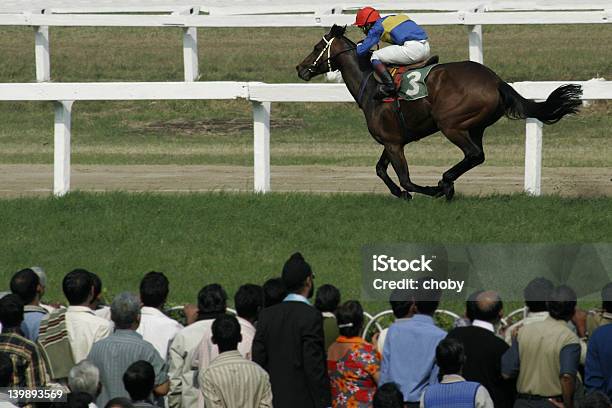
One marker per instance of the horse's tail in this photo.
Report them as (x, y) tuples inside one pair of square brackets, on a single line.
[(562, 101)]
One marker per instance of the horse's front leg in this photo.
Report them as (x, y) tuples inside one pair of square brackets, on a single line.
[(398, 161), (381, 171)]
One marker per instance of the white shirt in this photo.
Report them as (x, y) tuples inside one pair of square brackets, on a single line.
[(84, 329), (180, 358), (158, 329), (484, 325), (103, 312), (482, 399), (381, 340)]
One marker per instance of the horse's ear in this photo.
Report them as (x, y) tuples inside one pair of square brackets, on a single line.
[(337, 31)]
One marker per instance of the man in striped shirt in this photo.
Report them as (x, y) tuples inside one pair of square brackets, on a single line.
[(29, 368), (218, 381)]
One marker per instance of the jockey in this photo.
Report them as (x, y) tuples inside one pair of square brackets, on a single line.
[(408, 39)]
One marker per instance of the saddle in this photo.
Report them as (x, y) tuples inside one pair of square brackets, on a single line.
[(397, 71)]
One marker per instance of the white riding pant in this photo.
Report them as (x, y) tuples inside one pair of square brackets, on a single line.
[(409, 53)]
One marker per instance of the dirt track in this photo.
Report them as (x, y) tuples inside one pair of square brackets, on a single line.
[(32, 180)]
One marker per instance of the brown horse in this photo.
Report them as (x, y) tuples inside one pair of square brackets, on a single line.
[(464, 99)]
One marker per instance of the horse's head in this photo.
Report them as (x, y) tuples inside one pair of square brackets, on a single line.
[(322, 58)]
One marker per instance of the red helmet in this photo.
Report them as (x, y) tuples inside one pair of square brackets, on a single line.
[(366, 16)]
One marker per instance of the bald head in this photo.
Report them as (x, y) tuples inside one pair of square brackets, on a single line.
[(488, 307), (486, 300)]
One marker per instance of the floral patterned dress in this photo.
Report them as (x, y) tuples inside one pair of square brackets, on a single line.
[(352, 376)]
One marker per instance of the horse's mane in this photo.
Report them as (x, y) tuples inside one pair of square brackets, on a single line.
[(348, 40), (364, 60)]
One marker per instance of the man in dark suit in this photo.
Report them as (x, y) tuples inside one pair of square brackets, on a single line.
[(289, 343), (484, 349)]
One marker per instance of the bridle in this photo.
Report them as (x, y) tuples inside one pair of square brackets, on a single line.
[(312, 68)]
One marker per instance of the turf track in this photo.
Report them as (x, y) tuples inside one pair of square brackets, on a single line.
[(237, 238)]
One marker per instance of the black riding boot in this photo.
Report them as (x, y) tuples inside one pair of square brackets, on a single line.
[(387, 88)]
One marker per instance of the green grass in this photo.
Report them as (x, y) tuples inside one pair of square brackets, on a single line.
[(211, 132), (233, 239)]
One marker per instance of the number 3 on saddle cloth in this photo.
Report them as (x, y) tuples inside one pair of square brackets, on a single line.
[(410, 80)]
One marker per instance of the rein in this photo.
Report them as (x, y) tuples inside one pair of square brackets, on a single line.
[(362, 87), (312, 68)]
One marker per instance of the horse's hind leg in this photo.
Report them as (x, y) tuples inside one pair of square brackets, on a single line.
[(381, 171), (470, 143), (398, 161)]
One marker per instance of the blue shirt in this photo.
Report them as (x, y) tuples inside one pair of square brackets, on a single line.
[(459, 394), (598, 365), (114, 354), (395, 29), (31, 321), (294, 297), (409, 355)]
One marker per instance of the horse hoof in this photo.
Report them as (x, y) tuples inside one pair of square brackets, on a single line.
[(405, 196), (450, 192), (447, 189)]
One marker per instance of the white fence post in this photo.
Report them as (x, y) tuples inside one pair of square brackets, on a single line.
[(61, 155), (533, 157), (190, 47), (475, 40), (261, 146), (41, 51), (475, 43)]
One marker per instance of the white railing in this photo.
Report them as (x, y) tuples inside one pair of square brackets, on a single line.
[(261, 96), (289, 6), (188, 18)]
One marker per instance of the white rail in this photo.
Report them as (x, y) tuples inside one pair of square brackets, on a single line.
[(288, 6), (189, 19), (298, 20), (261, 96)]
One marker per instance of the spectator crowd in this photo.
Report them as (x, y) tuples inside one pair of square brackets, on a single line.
[(279, 349)]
